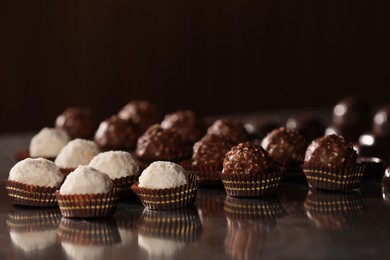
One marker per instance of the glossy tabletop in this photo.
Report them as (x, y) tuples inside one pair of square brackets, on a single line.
[(296, 223)]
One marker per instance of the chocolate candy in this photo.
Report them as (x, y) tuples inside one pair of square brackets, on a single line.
[(331, 151), (286, 146), (231, 128), (211, 150), (247, 158), (381, 124), (261, 126), (78, 122), (351, 117), (141, 113), (187, 124), (116, 134), (307, 125), (158, 143)]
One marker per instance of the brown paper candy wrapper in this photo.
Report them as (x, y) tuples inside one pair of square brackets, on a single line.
[(24, 154), (181, 225), (337, 179), (95, 232), (253, 209), (208, 174), (251, 185), (332, 211), (31, 195), (293, 173), (88, 205), (168, 199), (374, 168), (27, 219), (124, 185)]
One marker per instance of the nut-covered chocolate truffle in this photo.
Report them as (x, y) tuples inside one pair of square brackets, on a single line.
[(211, 150), (331, 151), (158, 143), (142, 113), (307, 125), (286, 146), (77, 122), (116, 134), (187, 124), (247, 158), (235, 130)]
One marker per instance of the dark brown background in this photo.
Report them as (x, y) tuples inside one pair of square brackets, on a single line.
[(216, 57)]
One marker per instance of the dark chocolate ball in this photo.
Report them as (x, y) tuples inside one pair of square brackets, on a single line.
[(352, 111), (351, 117), (259, 127), (116, 134), (381, 124), (142, 113), (188, 125), (331, 151), (226, 126), (307, 125), (286, 146), (247, 158), (78, 122), (158, 143), (211, 150)]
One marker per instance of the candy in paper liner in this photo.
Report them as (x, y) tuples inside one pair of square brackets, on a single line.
[(33, 229), (333, 210), (338, 179), (31, 195), (208, 174), (88, 205), (251, 185), (168, 199), (24, 154), (124, 185)]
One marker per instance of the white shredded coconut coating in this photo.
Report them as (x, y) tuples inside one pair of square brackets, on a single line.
[(36, 171), (48, 142), (116, 164), (86, 180), (76, 152), (162, 175)]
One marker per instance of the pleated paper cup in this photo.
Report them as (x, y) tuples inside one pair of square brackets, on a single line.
[(93, 232), (124, 185), (181, 225), (88, 205), (337, 179), (24, 154), (208, 174), (333, 210), (251, 185), (31, 195), (168, 199), (27, 219), (253, 209)]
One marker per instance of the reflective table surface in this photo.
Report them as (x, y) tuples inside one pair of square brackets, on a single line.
[(296, 223)]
